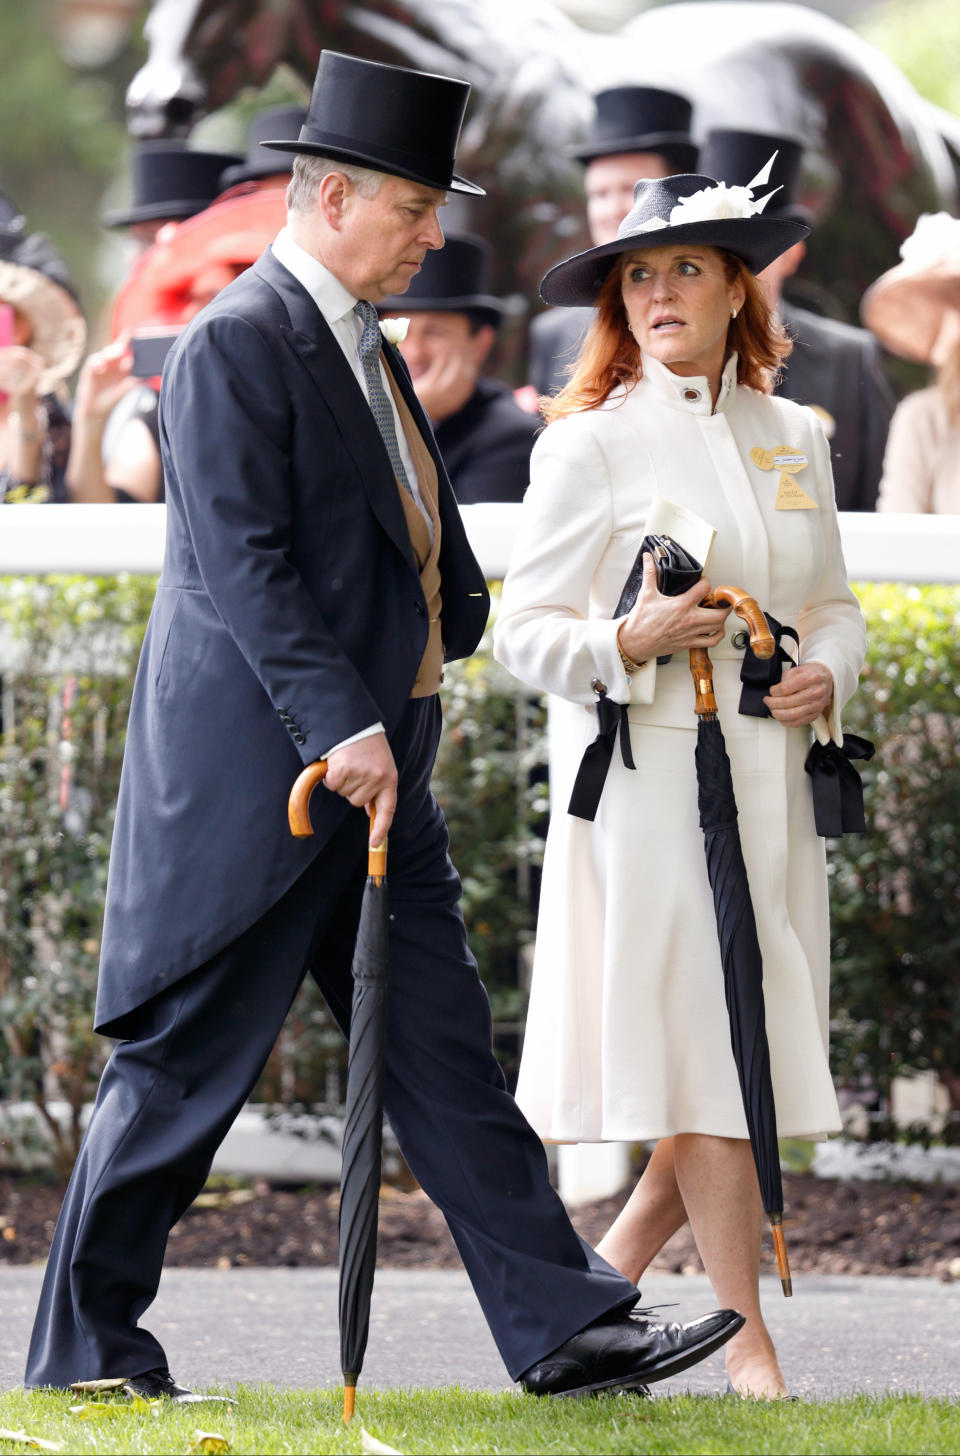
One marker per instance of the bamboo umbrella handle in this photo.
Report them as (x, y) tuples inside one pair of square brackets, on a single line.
[(702, 669), (298, 804), (761, 638)]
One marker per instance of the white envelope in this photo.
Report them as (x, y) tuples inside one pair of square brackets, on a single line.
[(688, 529)]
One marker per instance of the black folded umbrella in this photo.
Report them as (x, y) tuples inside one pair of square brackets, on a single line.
[(736, 924), (361, 1153)]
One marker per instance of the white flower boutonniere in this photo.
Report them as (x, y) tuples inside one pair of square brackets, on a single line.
[(394, 330)]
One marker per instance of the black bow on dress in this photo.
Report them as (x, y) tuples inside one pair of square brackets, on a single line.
[(837, 790), (758, 675), (592, 773)]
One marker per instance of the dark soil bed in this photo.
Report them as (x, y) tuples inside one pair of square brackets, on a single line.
[(832, 1228)]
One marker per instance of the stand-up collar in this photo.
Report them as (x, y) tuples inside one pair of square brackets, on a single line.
[(690, 393)]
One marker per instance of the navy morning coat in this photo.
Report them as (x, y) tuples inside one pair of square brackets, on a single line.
[(288, 616)]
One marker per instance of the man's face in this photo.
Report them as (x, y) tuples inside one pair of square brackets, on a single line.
[(433, 339), (382, 240), (445, 356), (609, 184)]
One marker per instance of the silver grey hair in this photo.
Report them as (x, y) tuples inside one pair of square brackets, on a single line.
[(309, 171)]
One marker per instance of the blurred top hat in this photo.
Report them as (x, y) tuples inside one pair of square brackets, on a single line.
[(914, 308), (170, 183), (34, 280), (12, 221), (387, 118), (735, 156), (452, 279), (277, 121), (641, 119)]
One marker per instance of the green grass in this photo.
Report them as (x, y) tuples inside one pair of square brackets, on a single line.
[(453, 1420)]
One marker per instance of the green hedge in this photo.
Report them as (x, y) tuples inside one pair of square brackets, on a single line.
[(894, 890)]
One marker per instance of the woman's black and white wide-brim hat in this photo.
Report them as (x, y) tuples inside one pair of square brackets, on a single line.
[(388, 118), (686, 208)]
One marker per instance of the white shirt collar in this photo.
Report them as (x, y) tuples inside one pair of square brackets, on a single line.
[(331, 297)]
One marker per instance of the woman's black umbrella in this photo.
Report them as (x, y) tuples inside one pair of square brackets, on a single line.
[(736, 923), (360, 1166)]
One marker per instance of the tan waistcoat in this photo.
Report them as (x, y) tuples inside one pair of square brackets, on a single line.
[(430, 671)]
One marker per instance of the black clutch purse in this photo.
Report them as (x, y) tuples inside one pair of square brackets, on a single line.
[(676, 571)]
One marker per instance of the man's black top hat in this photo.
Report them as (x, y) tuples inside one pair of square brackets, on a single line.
[(737, 156), (756, 240), (451, 280), (387, 118), (170, 182), (276, 121), (640, 119)]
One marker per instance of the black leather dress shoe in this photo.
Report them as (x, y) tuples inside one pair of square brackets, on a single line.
[(622, 1351), (154, 1384)]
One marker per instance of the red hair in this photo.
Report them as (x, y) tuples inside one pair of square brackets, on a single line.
[(610, 355)]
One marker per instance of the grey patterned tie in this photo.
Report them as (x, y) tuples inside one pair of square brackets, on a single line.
[(370, 340)]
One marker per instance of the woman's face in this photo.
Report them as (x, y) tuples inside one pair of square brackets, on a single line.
[(679, 302)]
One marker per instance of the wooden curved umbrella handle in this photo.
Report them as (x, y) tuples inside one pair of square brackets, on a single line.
[(298, 814), (761, 640), (746, 608), (298, 804)]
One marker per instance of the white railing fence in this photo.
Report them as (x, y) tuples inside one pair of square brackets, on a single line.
[(103, 539), (106, 539)]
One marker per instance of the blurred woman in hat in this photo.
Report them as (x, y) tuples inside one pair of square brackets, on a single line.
[(42, 333), (914, 310), (628, 1036)]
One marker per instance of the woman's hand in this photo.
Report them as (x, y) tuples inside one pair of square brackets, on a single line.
[(802, 694), (104, 379), (658, 625), (20, 371)]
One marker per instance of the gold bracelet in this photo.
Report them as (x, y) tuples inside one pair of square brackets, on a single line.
[(629, 665)]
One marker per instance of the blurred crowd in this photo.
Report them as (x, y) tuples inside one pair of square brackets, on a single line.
[(196, 219)]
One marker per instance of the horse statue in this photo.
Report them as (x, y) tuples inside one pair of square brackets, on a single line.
[(877, 154)]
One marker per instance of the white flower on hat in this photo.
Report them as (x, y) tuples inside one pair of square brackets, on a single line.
[(936, 234), (712, 204), (394, 330)]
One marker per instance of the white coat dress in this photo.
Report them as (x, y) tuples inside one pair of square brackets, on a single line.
[(627, 1031)]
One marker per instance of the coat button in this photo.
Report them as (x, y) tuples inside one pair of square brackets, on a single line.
[(420, 609), (299, 739), (598, 686), (740, 640)]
